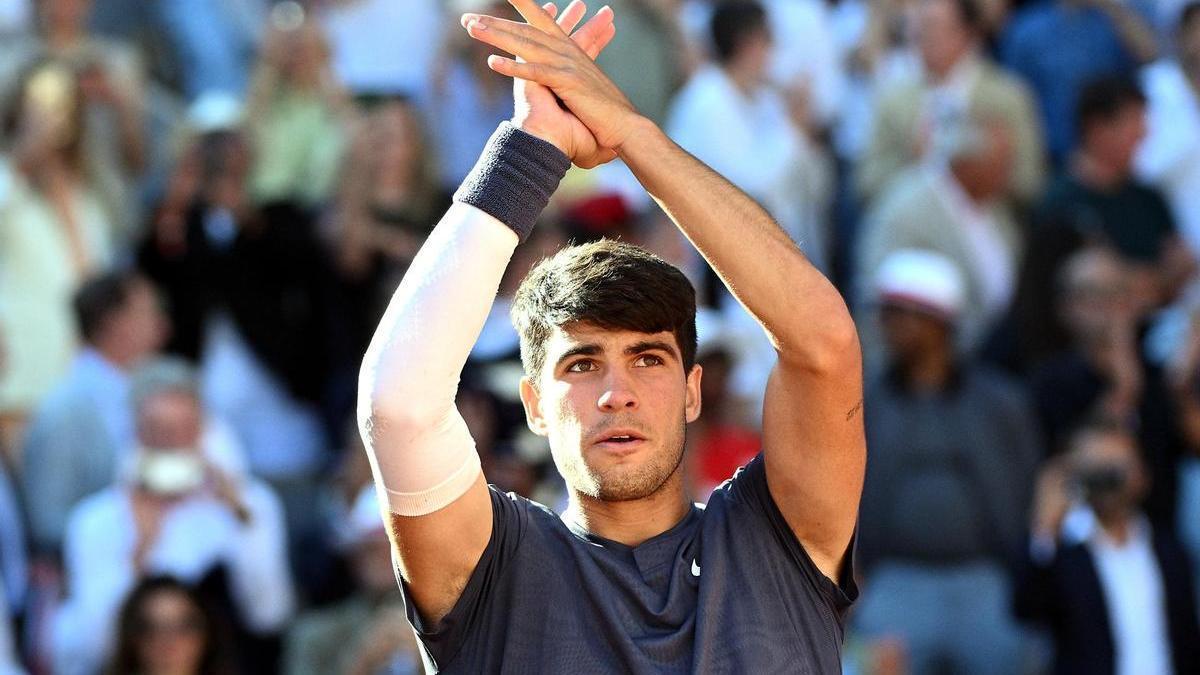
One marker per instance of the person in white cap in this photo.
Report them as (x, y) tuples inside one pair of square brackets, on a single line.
[(953, 454)]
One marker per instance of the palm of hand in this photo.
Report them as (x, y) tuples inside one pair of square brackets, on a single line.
[(538, 111)]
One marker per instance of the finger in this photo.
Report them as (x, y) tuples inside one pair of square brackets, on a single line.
[(515, 38), (602, 41), (595, 29), (531, 72), (571, 16), (550, 8), (536, 17)]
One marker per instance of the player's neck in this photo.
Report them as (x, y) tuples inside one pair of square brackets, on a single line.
[(635, 521)]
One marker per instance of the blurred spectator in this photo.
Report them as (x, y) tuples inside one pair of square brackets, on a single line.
[(953, 452), (877, 48), (1169, 158), (81, 431), (112, 84), (1183, 377), (214, 42), (176, 508), (54, 232), (167, 628), (1113, 588), (384, 46), (730, 117), (958, 82), (466, 99), (245, 281), (646, 58), (367, 633), (388, 202), (718, 442), (805, 63), (1099, 197), (956, 209), (1059, 46), (295, 114), (1102, 374)]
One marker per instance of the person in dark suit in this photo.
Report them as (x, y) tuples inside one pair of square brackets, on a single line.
[(1115, 591)]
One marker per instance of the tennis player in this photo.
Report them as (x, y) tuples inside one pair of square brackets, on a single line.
[(633, 577)]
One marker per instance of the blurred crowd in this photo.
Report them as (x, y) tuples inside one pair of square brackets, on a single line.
[(206, 204)]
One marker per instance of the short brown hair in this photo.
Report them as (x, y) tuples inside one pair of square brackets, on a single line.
[(609, 284)]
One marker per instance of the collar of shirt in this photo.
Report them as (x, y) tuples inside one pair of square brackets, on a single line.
[(950, 98)]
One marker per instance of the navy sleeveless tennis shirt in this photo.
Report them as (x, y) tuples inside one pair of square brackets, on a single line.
[(729, 589)]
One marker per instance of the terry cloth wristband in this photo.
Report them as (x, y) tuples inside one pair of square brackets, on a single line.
[(514, 178)]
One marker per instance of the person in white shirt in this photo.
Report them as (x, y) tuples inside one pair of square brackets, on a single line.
[(730, 117), (80, 430), (1169, 156), (1115, 591), (178, 509)]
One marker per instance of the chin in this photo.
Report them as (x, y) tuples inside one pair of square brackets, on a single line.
[(631, 481)]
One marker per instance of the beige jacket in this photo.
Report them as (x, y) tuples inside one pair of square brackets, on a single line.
[(897, 135)]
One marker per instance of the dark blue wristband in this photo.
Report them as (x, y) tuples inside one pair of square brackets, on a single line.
[(514, 178)]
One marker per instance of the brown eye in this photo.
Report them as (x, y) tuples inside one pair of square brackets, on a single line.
[(648, 360), (581, 366)]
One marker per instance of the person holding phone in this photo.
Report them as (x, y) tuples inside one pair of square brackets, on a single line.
[(181, 507)]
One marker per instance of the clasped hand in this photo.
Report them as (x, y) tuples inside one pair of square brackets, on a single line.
[(555, 60)]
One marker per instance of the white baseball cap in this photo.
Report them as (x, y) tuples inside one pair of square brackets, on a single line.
[(922, 280)]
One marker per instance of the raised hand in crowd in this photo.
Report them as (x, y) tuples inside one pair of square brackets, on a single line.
[(1051, 498)]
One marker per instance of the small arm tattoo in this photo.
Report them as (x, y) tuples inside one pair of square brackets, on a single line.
[(854, 411)]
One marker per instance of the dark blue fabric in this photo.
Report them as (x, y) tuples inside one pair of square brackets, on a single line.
[(514, 178), (546, 598), (1058, 47)]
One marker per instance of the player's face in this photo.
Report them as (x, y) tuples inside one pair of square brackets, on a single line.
[(613, 404)]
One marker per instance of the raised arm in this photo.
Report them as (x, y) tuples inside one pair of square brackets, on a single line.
[(812, 425), (422, 456)]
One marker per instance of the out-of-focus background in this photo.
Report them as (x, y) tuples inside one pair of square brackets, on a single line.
[(205, 205)]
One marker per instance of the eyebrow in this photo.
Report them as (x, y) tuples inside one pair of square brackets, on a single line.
[(592, 349), (650, 345), (589, 349)]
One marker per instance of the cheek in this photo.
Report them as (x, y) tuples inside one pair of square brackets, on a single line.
[(563, 408)]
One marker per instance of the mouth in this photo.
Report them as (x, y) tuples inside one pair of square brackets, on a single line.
[(619, 441)]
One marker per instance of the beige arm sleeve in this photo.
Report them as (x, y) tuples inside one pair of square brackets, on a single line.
[(421, 454)]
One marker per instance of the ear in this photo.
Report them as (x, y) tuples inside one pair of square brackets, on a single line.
[(691, 404), (532, 401)]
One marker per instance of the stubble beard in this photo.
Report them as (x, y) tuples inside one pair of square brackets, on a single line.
[(624, 482)]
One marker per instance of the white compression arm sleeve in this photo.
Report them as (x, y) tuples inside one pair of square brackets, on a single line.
[(422, 456)]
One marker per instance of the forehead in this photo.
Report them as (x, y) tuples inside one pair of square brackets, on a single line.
[(570, 336)]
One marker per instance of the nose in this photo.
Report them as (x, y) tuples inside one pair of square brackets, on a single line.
[(617, 395)]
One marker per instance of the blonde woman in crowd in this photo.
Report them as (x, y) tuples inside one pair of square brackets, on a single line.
[(54, 232), (295, 113)]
